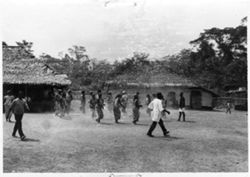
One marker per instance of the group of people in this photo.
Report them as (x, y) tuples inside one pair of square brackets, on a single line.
[(62, 102), (117, 106), (156, 107)]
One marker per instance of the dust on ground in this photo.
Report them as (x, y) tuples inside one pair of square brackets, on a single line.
[(210, 141)]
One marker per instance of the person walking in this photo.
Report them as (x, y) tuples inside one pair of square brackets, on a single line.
[(156, 114), (182, 107), (83, 101), (68, 99), (164, 105), (116, 108), (148, 101), (136, 108), (8, 98), (228, 107), (99, 108), (63, 104), (110, 102), (92, 104), (124, 103), (18, 107), (57, 102)]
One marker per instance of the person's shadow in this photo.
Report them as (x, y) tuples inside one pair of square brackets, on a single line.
[(189, 121), (141, 124), (168, 138), (66, 117), (31, 140), (123, 123), (106, 123)]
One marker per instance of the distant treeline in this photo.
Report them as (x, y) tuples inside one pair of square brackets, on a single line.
[(216, 60)]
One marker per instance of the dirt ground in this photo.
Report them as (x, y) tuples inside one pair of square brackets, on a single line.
[(210, 141)]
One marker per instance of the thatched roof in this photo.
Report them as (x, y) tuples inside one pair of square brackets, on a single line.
[(32, 71), (154, 80), (11, 53)]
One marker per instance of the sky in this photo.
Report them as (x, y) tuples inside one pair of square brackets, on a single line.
[(114, 29)]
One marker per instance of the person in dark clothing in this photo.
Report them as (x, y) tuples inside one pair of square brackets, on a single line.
[(68, 98), (83, 102), (148, 101), (92, 104), (157, 109), (63, 103), (164, 105), (18, 107), (99, 107), (8, 98), (136, 108), (116, 107), (57, 102), (99, 92), (182, 107), (228, 107), (110, 102), (124, 102)]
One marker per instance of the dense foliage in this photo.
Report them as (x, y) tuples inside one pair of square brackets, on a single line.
[(217, 60)]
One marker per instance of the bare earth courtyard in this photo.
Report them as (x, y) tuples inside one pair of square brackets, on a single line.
[(210, 141)]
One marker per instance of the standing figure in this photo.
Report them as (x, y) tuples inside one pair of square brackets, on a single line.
[(68, 98), (92, 104), (83, 102), (136, 108), (228, 107), (63, 104), (182, 107), (116, 108), (110, 102), (7, 103), (99, 107), (148, 101), (124, 102), (99, 92), (57, 102), (156, 107), (18, 107), (164, 105)]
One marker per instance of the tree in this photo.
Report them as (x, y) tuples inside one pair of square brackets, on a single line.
[(21, 51), (221, 56), (134, 65), (25, 49), (78, 53)]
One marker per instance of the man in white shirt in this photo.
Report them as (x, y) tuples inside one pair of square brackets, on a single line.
[(156, 113)]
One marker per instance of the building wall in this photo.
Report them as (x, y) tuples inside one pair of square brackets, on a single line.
[(206, 99), (165, 91)]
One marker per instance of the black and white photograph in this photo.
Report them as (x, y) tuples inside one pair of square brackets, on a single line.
[(124, 87)]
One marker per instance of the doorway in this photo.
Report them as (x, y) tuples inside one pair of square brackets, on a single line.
[(195, 99)]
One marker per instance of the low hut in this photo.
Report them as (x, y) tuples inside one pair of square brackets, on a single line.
[(171, 85), (35, 79)]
